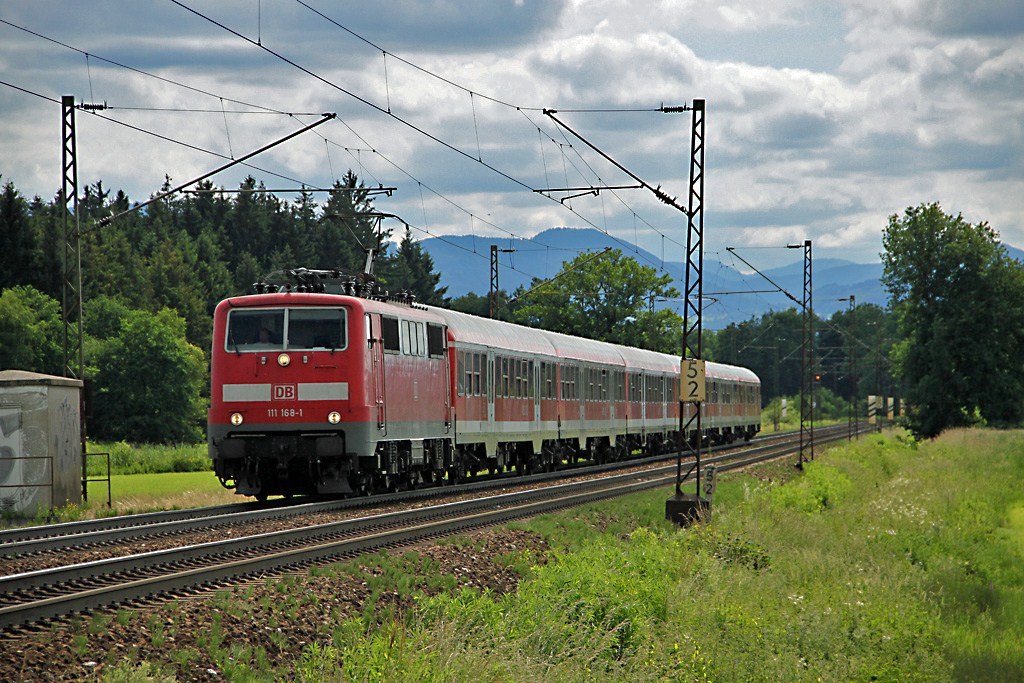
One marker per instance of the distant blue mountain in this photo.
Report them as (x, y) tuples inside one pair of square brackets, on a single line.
[(464, 264)]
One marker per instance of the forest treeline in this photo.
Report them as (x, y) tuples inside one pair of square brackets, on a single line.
[(151, 279)]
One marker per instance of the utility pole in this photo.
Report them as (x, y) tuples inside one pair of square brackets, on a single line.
[(71, 272), (806, 359), (492, 298), (682, 508), (72, 268), (852, 420)]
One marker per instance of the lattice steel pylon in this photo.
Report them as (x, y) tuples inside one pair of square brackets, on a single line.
[(492, 297), (71, 280), (683, 508), (71, 285), (807, 362), (693, 307)]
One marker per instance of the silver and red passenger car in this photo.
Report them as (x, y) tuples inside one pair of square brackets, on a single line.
[(319, 393)]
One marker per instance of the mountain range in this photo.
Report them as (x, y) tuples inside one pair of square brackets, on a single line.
[(733, 293)]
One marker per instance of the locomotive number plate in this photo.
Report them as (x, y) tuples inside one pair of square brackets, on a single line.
[(284, 412)]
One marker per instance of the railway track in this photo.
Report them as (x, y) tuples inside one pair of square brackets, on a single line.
[(54, 592), (33, 539)]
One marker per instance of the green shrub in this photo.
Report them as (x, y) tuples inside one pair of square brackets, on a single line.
[(821, 487), (148, 458)]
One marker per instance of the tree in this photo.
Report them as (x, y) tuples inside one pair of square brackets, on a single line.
[(343, 236), (959, 302), (476, 304), (411, 269), (149, 381), (608, 297), (172, 272), (31, 331), (770, 346), (48, 235), (16, 250)]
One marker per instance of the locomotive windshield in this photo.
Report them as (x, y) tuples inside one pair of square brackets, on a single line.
[(279, 329)]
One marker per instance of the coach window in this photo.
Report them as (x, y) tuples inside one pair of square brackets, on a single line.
[(477, 368), (460, 370), (467, 366), (389, 332)]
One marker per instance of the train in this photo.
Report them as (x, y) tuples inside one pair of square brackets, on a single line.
[(325, 387)]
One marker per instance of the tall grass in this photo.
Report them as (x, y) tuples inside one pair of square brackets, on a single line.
[(888, 560), (128, 458)]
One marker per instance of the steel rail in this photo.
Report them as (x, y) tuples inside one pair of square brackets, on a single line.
[(18, 542)]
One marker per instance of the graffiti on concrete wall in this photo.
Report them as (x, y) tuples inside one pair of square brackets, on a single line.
[(13, 496)]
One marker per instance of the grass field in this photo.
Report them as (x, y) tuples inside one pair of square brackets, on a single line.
[(886, 560), (167, 490)]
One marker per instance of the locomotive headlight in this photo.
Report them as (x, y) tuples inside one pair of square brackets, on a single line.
[(334, 417), (237, 419), (283, 360)]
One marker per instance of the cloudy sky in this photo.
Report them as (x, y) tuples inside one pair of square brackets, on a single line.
[(823, 118)]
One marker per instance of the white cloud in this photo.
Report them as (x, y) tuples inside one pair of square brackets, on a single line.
[(823, 118)]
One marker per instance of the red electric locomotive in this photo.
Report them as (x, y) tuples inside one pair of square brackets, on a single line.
[(332, 393)]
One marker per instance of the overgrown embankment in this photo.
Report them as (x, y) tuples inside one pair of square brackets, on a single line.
[(884, 560)]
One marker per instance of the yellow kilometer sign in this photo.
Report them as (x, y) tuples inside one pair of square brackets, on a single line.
[(693, 381)]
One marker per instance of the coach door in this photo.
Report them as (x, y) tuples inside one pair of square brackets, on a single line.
[(375, 334), (535, 389), (489, 375)]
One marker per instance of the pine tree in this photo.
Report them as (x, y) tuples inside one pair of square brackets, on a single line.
[(411, 269), (16, 249)]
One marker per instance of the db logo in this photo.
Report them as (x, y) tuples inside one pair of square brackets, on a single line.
[(282, 392)]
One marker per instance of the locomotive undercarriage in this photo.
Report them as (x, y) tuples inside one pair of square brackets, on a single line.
[(263, 465), (406, 464)]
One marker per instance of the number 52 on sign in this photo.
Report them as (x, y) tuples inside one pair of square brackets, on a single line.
[(693, 380)]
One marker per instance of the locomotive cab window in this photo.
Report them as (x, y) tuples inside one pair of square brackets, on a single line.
[(255, 330), (316, 329), (277, 329)]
